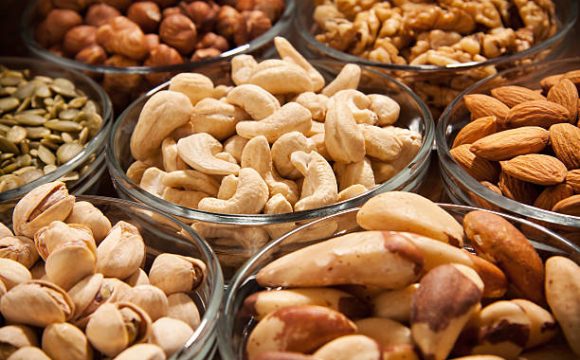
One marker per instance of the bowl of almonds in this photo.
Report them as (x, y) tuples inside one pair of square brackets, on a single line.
[(512, 143), (405, 278)]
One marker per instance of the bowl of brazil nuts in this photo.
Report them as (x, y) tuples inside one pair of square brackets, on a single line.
[(53, 125), (439, 48), (405, 278), (246, 164), (98, 278), (130, 46), (487, 132)]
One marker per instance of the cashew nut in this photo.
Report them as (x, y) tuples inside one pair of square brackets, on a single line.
[(171, 160), (198, 151), (317, 128), (250, 197), (381, 143), (191, 180), (290, 117), (348, 78), (359, 104), (386, 109), (278, 204), (228, 187), (226, 156), (319, 187), (351, 191), (242, 68), (359, 172), (284, 147), (164, 112), (343, 138), (195, 86), (249, 237), (288, 53), (152, 181), (136, 170), (216, 118), (221, 91), (186, 198), (257, 102), (319, 145), (281, 77), (315, 103), (235, 146)]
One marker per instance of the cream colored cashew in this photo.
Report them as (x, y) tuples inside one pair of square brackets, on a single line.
[(235, 146), (348, 78), (250, 197), (226, 156), (317, 142), (228, 187), (315, 103), (136, 170), (278, 204), (281, 77), (242, 68), (386, 109), (171, 160), (317, 128), (198, 151), (164, 112), (380, 143), (249, 237), (191, 180), (257, 102), (351, 191), (182, 131), (186, 198), (284, 147), (152, 181), (195, 86), (288, 53), (359, 172), (319, 187), (290, 117), (343, 138), (359, 104), (221, 91), (216, 118)]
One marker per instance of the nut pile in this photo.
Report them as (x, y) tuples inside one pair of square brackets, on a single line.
[(72, 285), (405, 289), (525, 144), (44, 123)]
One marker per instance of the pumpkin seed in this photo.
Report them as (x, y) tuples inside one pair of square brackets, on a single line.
[(29, 119), (46, 155), (25, 90), (8, 122), (16, 134), (43, 91), (61, 125), (23, 105), (8, 104), (6, 156), (7, 146), (63, 87), (68, 114), (48, 169), (37, 132), (84, 136), (43, 79), (9, 182), (49, 144), (78, 103), (68, 151)]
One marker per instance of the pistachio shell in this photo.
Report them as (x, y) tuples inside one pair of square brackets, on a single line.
[(139, 277), (58, 265), (14, 337), (149, 298), (175, 273), (37, 303), (170, 334), (18, 248), (13, 273), (37, 271), (88, 215), (66, 342), (59, 234), (182, 307), (29, 352), (121, 253), (142, 352), (5, 231)]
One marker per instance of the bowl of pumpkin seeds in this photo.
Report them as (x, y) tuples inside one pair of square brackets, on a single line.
[(53, 126)]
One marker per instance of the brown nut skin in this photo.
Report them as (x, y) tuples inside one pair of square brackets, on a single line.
[(272, 8), (121, 82), (76, 5), (152, 41), (202, 54), (257, 23), (179, 32), (123, 37), (100, 14), (146, 14), (92, 55), (232, 25), (78, 38), (121, 5), (202, 13), (212, 40), (161, 55), (297, 328), (498, 241), (52, 30)]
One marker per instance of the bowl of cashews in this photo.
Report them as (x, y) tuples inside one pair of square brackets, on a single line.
[(247, 151), (405, 278)]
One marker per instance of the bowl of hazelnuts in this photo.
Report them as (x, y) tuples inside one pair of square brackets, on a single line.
[(131, 46)]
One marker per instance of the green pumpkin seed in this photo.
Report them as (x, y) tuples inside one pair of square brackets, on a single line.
[(16, 134), (46, 155), (7, 146), (61, 125), (8, 104), (29, 119)]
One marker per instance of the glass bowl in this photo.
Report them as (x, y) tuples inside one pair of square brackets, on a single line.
[(121, 99), (234, 329), (250, 231), (439, 85), (83, 172), (461, 187)]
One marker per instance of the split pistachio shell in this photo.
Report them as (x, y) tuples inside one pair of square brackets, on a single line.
[(115, 327), (18, 248), (27, 353), (149, 298), (5, 231), (14, 337), (170, 334), (182, 307), (92, 292), (122, 252), (64, 341), (139, 277), (142, 352), (59, 234), (41, 206), (13, 273), (37, 303), (87, 214), (175, 273)]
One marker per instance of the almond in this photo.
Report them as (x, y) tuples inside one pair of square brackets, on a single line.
[(568, 206), (537, 169), (573, 76), (517, 190), (480, 169), (565, 94), (552, 195), (550, 81), (565, 139), (514, 95), (481, 202), (573, 179), (536, 113), (482, 105), (492, 187), (506, 144), (475, 130)]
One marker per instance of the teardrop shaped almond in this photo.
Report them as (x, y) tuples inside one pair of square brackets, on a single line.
[(479, 168), (552, 195), (549, 81), (537, 169), (476, 130), (483, 105), (513, 95), (517, 190), (536, 113), (565, 139), (573, 76), (569, 206), (565, 94), (573, 179), (507, 144)]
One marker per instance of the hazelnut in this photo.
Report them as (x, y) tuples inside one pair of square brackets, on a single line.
[(120, 5), (232, 25), (167, 12), (56, 50), (43, 7), (152, 41), (178, 31), (162, 55), (76, 5), (257, 23), (92, 55), (79, 38), (124, 37), (100, 14), (146, 14), (113, 82), (203, 54), (273, 9), (212, 40), (56, 25), (203, 14)]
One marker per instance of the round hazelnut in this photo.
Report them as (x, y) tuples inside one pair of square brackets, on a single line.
[(180, 32), (92, 55), (113, 82), (212, 40), (120, 5), (56, 25), (203, 54), (79, 38), (100, 14), (257, 23), (203, 14), (76, 5), (152, 41), (162, 55), (167, 12), (43, 7), (124, 37), (146, 14), (232, 25), (272, 8)]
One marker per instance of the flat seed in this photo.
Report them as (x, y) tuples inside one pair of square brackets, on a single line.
[(8, 122), (48, 169), (31, 175), (25, 146), (48, 101), (7, 146), (11, 80), (68, 151), (4, 128), (66, 137), (24, 160), (54, 138), (68, 114), (22, 170), (8, 104), (10, 168), (90, 107), (84, 136), (40, 112), (23, 105), (37, 132), (9, 182), (46, 155), (16, 134), (34, 152), (25, 90), (72, 176), (61, 125), (63, 87), (43, 91), (6, 162), (6, 156), (44, 79), (78, 103), (30, 119), (49, 144)]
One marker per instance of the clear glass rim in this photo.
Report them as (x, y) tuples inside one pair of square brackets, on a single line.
[(27, 32), (449, 166), (95, 145), (120, 178), (209, 320), (303, 31), (225, 327)]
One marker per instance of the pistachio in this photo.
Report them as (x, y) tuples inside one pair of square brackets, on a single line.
[(38, 272), (150, 298), (175, 273), (8, 104), (13, 273), (87, 214), (139, 277), (182, 307), (58, 264), (170, 334), (121, 253), (18, 248), (65, 341), (58, 234), (142, 352), (5, 231), (29, 352), (36, 303), (14, 337)]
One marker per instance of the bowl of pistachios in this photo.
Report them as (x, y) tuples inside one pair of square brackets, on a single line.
[(53, 125)]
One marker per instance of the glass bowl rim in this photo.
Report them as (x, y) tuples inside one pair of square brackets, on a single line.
[(92, 147), (263, 219), (306, 35), (450, 168), (27, 33)]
